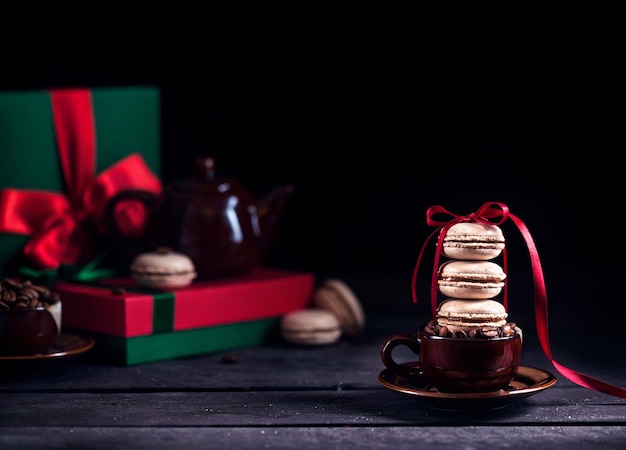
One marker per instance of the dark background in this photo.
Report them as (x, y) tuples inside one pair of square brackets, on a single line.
[(373, 116)]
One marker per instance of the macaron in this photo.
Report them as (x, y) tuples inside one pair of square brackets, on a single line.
[(465, 315), (470, 279), (336, 296), (473, 241), (312, 326), (163, 269)]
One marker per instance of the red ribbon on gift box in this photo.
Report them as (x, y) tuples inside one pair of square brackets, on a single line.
[(496, 214), (58, 223)]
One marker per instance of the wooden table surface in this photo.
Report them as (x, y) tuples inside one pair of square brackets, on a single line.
[(284, 396)]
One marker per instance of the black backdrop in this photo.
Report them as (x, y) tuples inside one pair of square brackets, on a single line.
[(372, 116)]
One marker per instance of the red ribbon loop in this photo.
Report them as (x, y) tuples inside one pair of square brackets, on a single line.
[(59, 225), (493, 213), (500, 212), (489, 210)]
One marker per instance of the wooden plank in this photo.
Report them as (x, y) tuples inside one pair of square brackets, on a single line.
[(359, 438), (364, 407), (351, 363), (284, 396)]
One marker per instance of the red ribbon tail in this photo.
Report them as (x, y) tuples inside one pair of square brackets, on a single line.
[(541, 318), (74, 125), (589, 382)]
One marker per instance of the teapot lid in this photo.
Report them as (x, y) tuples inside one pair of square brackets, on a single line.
[(205, 179)]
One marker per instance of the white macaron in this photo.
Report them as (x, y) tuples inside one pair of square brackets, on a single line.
[(313, 326), (473, 241), (470, 279), (163, 269)]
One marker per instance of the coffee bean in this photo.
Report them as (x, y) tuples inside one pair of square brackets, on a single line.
[(29, 292), (43, 291), (229, 358), (53, 298), (118, 290), (508, 329), (18, 294), (489, 332), (9, 296), (13, 284)]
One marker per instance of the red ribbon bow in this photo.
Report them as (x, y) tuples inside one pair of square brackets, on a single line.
[(58, 224), (496, 214)]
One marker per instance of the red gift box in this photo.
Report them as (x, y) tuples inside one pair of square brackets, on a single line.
[(133, 324), (120, 307)]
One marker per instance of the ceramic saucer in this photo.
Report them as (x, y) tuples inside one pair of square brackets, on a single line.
[(528, 381), (68, 346)]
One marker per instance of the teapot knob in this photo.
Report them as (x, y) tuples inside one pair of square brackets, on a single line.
[(206, 167)]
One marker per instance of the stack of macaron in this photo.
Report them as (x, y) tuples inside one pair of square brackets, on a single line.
[(471, 280), (335, 311)]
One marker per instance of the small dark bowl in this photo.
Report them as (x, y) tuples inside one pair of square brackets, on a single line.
[(28, 331)]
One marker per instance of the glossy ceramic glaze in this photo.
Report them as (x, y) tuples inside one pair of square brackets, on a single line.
[(458, 365), (213, 219), (217, 222), (29, 331)]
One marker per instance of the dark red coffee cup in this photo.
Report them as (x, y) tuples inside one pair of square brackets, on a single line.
[(29, 331), (457, 365)]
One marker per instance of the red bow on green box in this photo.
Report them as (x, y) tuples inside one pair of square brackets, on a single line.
[(63, 227)]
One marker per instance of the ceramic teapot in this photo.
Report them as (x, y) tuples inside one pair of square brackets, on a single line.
[(216, 221)]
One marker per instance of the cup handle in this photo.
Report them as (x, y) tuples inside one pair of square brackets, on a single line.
[(409, 340)]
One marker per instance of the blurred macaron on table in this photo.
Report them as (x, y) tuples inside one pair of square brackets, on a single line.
[(335, 311), (313, 326)]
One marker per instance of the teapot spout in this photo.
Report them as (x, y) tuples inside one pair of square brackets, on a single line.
[(271, 211)]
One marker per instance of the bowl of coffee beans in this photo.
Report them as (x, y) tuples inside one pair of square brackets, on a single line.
[(30, 318)]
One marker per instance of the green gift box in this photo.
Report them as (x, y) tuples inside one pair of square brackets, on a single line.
[(126, 121), (178, 344), (133, 324)]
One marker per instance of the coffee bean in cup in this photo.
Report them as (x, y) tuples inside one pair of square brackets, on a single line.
[(16, 294), (486, 332)]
